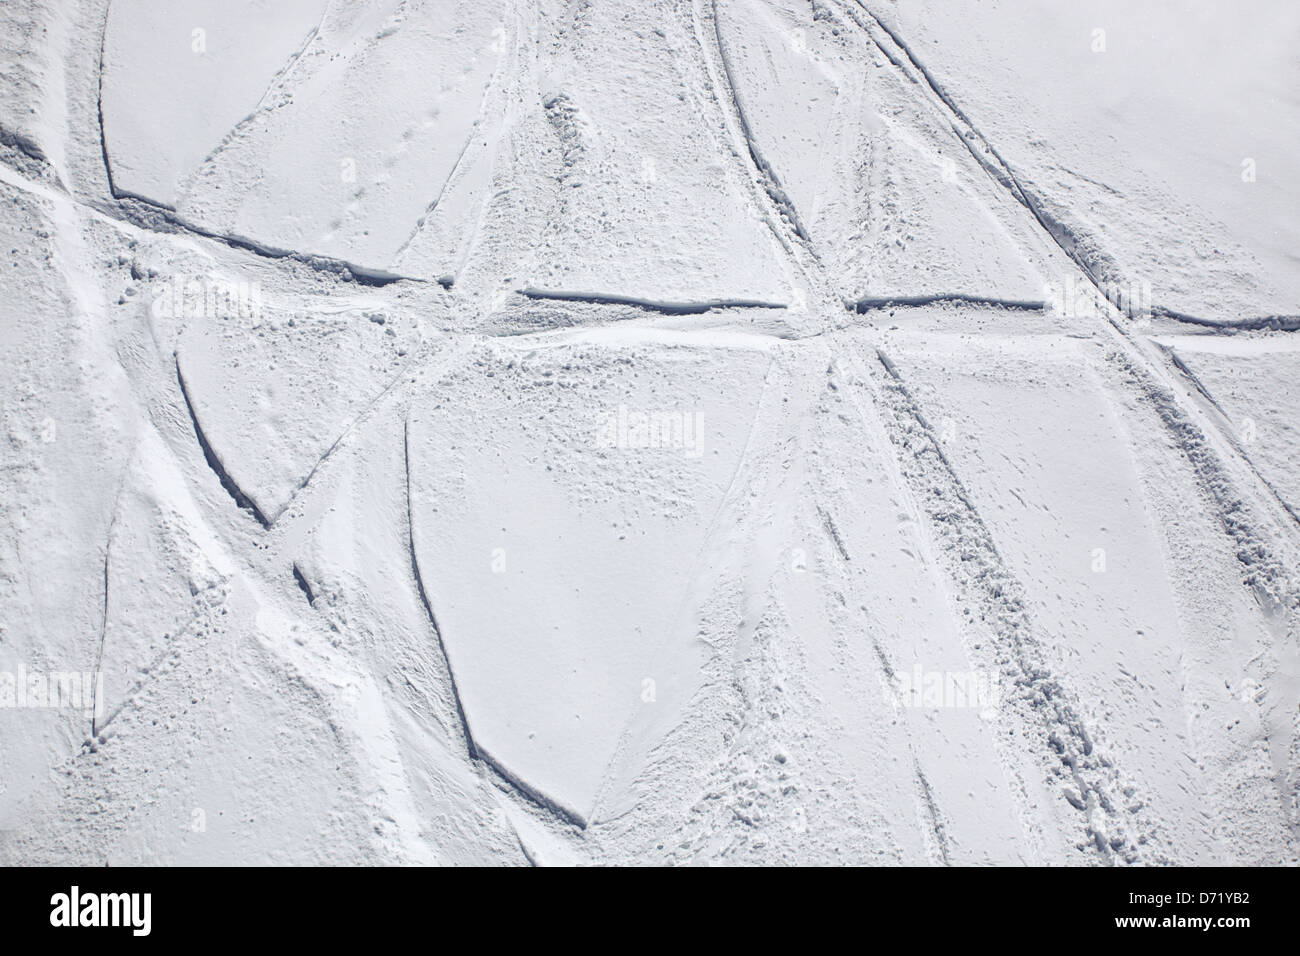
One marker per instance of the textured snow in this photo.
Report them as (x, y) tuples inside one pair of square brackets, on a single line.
[(680, 432), (1135, 123), (586, 583)]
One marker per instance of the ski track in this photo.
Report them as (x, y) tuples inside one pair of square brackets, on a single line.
[(771, 182), (214, 461), (1091, 782)]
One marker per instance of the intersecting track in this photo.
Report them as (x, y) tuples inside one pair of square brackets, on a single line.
[(771, 182), (1000, 171), (901, 56), (1096, 781), (1098, 794), (1092, 781)]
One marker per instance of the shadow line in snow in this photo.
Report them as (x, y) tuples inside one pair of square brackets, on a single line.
[(476, 752), (649, 305), (771, 182), (214, 462), (1262, 323), (147, 219), (872, 303)]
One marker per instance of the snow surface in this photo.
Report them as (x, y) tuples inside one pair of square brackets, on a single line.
[(751, 431)]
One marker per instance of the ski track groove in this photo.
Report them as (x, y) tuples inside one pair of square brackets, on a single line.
[(468, 739), (648, 305), (1225, 426), (1002, 172), (744, 464), (303, 585), (125, 201), (723, 97), (103, 625), (1261, 323), (393, 384), (771, 182), (832, 532), (937, 826), (1262, 569), (258, 111), (814, 274), (214, 461), (476, 752), (1206, 462), (1093, 775), (145, 213), (876, 303), (496, 86), (984, 582)]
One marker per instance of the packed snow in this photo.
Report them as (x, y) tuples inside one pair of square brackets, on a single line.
[(678, 432)]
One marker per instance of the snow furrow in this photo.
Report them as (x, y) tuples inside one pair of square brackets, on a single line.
[(771, 182), (1094, 264), (872, 304), (474, 750), (214, 462), (759, 466), (424, 598), (983, 579), (647, 305), (1263, 323), (1224, 420), (301, 580), (1262, 567), (932, 814), (155, 217), (991, 160)]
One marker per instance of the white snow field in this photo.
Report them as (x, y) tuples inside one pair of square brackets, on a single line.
[(751, 432)]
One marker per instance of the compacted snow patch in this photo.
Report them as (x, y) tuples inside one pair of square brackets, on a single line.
[(268, 130), (1160, 134), (178, 77), (559, 501), (254, 387), (678, 431)]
